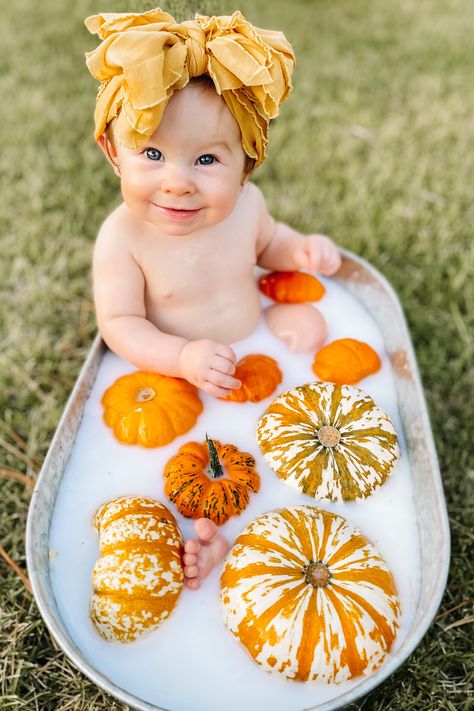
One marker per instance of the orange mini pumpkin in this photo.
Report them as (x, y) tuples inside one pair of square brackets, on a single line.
[(346, 361), (291, 287), (150, 409), (200, 488), (259, 375)]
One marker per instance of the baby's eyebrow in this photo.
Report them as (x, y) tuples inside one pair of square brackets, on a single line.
[(219, 144)]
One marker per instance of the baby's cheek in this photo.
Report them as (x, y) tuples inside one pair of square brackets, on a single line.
[(131, 182), (225, 200)]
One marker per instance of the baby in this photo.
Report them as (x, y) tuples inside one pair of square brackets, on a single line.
[(182, 115)]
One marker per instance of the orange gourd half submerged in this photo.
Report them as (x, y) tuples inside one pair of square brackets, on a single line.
[(139, 576), (328, 441), (309, 596), (346, 361), (211, 480), (291, 287), (259, 375), (150, 409)]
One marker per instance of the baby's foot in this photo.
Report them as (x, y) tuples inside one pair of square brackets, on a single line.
[(301, 326), (202, 554)]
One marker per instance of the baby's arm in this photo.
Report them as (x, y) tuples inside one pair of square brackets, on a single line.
[(281, 248), (119, 291)]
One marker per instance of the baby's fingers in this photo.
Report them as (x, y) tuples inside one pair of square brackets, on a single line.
[(330, 262), (222, 380), (214, 390), (226, 352), (223, 365)]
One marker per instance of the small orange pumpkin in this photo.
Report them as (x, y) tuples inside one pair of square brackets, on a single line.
[(197, 484), (150, 409), (291, 287), (346, 361), (259, 375)]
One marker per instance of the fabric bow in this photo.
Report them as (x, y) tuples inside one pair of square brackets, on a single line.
[(143, 58)]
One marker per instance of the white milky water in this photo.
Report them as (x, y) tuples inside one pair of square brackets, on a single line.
[(191, 662)]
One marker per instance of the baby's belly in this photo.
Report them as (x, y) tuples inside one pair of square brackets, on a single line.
[(222, 318)]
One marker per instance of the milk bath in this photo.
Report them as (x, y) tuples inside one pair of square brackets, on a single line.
[(191, 662)]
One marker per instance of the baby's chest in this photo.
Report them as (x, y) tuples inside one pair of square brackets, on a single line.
[(190, 270)]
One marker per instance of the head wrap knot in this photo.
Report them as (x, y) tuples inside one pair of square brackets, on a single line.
[(143, 58)]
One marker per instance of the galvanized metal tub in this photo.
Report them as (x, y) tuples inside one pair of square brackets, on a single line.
[(378, 297)]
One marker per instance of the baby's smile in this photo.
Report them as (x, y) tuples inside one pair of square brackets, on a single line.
[(177, 213)]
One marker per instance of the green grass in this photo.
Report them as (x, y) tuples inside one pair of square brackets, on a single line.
[(375, 147)]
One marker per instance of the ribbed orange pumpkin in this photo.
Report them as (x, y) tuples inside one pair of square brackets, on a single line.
[(200, 488), (346, 361), (291, 287), (150, 409), (139, 576), (309, 597), (259, 375)]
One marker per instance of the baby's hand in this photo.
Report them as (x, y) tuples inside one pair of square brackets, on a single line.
[(210, 366), (317, 253)]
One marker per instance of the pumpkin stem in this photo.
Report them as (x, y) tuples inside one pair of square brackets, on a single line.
[(145, 394), (317, 574), (329, 436), (215, 467)]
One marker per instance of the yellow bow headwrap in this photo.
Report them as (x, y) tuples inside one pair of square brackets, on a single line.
[(145, 57)]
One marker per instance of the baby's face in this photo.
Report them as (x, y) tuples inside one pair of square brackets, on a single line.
[(189, 175)]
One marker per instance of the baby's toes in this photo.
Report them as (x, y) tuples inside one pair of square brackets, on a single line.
[(191, 571), (192, 547), (190, 559), (192, 583)]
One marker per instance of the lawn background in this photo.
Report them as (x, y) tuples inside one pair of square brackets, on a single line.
[(375, 147)]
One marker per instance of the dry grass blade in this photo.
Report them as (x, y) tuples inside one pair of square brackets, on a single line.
[(17, 476), (25, 377), (460, 623), (15, 437), (31, 461), (24, 579), (456, 607)]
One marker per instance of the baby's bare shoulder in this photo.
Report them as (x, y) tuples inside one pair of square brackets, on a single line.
[(252, 207), (118, 233), (265, 224), (114, 258), (253, 196), (116, 226)]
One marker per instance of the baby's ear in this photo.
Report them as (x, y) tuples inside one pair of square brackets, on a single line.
[(109, 150)]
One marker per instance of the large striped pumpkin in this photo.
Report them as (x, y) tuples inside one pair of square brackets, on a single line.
[(309, 596), (328, 441), (139, 576)]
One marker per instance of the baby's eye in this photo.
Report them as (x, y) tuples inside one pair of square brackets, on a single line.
[(153, 154), (206, 159)]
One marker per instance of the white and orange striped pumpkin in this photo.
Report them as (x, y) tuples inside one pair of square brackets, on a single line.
[(309, 596), (139, 576), (328, 441)]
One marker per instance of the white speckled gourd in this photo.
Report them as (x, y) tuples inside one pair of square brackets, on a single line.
[(139, 577), (328, 441), (309, 596)]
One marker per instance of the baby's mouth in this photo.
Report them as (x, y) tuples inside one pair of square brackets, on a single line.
[(177, 213)]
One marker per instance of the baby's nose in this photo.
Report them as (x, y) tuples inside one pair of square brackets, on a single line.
[(177, 180)]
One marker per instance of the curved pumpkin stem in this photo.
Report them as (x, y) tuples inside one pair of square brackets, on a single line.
[(215, 467)]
